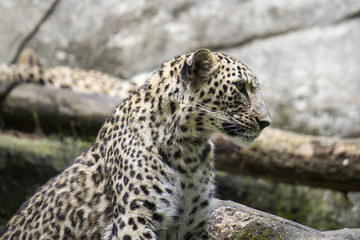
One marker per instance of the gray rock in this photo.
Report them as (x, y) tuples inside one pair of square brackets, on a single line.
[(18, 20), (347, 234), (310, 78), (230, 220), (128, 37)]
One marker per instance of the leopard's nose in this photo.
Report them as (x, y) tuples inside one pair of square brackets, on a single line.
[(263, 121)]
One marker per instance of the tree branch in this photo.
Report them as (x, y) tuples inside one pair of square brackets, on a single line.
[(294, 158)]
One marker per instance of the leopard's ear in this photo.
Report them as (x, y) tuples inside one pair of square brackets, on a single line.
[(198, 67), (28, 57)]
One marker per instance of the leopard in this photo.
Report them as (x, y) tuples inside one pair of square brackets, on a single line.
[(28, 69), (150, 172)]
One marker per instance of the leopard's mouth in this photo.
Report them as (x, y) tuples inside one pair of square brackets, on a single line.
[(234, 130)]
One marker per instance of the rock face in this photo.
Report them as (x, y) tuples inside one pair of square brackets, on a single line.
[(305, 53), (311, 78), (253, 224), (20, 19)]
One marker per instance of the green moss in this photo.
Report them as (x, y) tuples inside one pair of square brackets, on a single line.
[(256, 231), (26, 164)]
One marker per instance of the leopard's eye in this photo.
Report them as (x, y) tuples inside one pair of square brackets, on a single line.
[(240, 86)]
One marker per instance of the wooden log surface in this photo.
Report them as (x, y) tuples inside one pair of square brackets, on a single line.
[(294, 158), (30, 106)]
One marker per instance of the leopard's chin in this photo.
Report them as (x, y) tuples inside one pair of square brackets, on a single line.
[(241, 140), (238, 134)]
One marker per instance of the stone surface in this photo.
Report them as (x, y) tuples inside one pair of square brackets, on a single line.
[(128, 37), (18, 19), (233, 221), (348, 234), (310, 78)]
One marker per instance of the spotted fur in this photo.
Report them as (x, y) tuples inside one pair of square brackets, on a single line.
[(78, 80), (150, 172)]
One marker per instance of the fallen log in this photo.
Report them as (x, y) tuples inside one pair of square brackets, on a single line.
[(29, 107), (294, 158)]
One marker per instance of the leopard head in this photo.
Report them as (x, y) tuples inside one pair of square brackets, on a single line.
[(225, 94)]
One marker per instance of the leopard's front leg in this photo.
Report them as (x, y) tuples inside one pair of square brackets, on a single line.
[(130, 227)]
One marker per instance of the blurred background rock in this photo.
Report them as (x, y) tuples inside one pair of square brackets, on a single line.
[(306, 55)]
